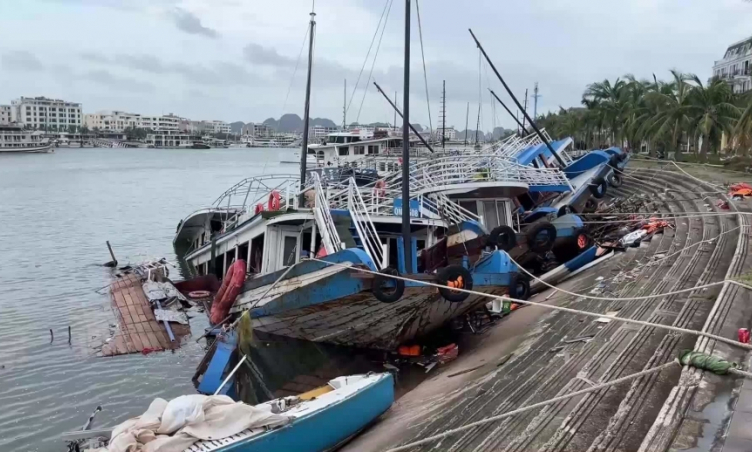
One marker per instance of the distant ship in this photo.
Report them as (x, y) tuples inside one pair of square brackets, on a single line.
[(14, 138)]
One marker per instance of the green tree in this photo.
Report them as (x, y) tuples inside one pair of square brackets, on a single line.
[(712, 112)]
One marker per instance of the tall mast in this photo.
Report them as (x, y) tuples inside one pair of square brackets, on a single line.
[(344, 108), (406, 236), (535, 101), (524, 107), (443, 114), (306, 112), (477, 125), (467, 118), (396, 104)]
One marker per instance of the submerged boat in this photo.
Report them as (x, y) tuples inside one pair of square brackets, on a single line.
[(16, 139)]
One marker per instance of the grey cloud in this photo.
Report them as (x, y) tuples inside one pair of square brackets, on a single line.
[(146, 63), (267, 56), (21, 61), (189, 23), (94, 57), (124, 83)]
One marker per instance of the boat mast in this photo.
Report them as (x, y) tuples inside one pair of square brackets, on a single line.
[(467, 118), (406, 236), (511, 94), (536, 96), (394, 123), (397, 112), (509, 111), (443, 114), (344, 108), (524, 107), (306, 112)]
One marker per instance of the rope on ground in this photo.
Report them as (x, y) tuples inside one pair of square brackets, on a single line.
[(695, 244), (536, 405), (695, 178), (563, 309)]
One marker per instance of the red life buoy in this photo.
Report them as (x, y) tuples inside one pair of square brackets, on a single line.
[(231, 286), (258, 209), (379, 190), (274, 200)]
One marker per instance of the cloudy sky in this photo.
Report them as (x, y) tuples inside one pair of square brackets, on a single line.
[(235, 59)]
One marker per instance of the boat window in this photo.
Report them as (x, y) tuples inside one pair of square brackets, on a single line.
[(360, 150), (219, 266), (311, 151), (343, 150), (257, 254), (373, 149), (354, 139), (472, 206), (243, 253), (382, 166), (289, 250), (490, 215)]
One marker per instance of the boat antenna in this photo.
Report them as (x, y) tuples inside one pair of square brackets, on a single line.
[(398, 112), (509, 111), (532, 123), (394, 123), (467, 117), (443, 114), (536, 96), (307, 110), (406, 236), (344, 108)]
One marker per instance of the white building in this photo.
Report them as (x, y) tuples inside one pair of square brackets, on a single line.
[(4, 114), (112, 121), (165, 123), (449, 134), (217, 127), (257, 130), (41, 112), (736, 66), (321, 131)]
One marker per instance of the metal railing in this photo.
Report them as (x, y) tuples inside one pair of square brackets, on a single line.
[(369, 236), (329, 236)]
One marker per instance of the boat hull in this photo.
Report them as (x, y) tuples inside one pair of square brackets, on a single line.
[(29, 150)]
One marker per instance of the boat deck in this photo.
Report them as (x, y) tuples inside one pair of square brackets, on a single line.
[(139, 331)]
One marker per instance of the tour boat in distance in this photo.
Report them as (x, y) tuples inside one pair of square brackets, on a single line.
[(15, 139)]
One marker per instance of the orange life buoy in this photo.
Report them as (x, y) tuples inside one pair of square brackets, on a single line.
[(228, 291), (258, 209), (379, 190), (274, 200)]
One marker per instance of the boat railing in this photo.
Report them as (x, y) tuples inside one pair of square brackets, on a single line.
[(327, 229), (369, 236)]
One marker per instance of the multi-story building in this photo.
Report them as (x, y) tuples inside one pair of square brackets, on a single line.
[(165, 123), (736, 66), (257, 130), (112, 121), (4, 114), (218, 127), (44, 113), (321, 131), (449, 134)]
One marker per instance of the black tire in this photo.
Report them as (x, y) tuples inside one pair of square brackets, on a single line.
[(598, 187), (541, 237), (453, 273), (616, 180), (591, 205), (519, 287), (384, 293), (565, 210), (502, 237), (622, 156)]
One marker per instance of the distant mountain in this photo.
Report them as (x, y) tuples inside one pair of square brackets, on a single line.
[(236, 127), (291, 122)]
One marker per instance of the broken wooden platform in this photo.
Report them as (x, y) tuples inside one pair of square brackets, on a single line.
[(138, 329)]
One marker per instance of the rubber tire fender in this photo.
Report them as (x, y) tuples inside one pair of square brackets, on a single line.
[(616, 180), (591, 205), (598, 187), (622, 156), (537, 228), (564, 210), (613, 162), (451, 273), (502, 237), (519, 287), (383, 294)]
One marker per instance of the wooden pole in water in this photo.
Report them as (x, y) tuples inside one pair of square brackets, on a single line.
[(109, 247)]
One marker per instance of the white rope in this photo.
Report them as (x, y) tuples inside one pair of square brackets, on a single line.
[(569, 310), (695, 244), (535, 405), (696, 179)]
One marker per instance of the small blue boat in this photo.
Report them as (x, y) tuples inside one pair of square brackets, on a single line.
[(322, 419)]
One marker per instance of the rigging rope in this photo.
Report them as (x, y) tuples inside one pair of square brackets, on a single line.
[(373, 63), (365, 61), (297, 63), (570, 310), (425, 75)]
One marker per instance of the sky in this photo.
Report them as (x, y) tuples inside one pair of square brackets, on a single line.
[(245, 60)]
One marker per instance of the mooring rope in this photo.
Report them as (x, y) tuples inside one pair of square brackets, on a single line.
[(569, 310)]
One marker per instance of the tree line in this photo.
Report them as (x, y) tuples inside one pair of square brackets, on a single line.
[(682, 114)]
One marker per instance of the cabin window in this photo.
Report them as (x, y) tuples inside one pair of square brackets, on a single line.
[(219, 266), (312, 152), (393, 254), (382, 166), (360, 150), (343, 151), (243, 254), (472, 206), (289, 250), (257, 254), (490, 215), (373, 149)]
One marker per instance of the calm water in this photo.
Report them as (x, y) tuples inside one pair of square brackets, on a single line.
[(56, 212)]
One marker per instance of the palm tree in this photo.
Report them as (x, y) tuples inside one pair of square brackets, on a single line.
[(668, 105), (742, 134), (711, 111)]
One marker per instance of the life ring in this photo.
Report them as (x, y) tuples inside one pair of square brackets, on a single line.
[(258, 209), (199, 294), (273, 201), (388, 293), (583, 240), (379, 189), (598, 187), (231, 286), (454, 276), (541, 237), (502, 237)]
